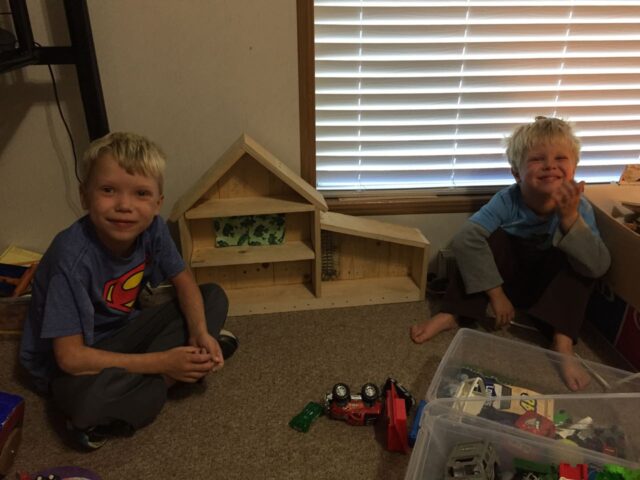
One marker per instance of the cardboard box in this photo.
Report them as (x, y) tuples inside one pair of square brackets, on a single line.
[(606, 311), (623, 243), (618, 322), (629, 336), (614, 306)]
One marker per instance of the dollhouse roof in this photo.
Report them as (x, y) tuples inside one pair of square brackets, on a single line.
[(244, 146)]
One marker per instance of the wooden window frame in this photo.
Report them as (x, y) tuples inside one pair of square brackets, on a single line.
[(379, 204)]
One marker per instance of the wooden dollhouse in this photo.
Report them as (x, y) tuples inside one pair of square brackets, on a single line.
[(323, 260)]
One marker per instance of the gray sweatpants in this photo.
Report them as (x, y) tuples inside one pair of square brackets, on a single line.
[(136, 399)]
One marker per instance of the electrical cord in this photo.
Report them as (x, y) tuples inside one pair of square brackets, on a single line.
[(64, 120), (523, 325)]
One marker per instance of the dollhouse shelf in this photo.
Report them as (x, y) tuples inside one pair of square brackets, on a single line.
[(244, 255), (343, 293)]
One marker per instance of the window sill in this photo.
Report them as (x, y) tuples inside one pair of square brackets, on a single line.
[(407, 205)]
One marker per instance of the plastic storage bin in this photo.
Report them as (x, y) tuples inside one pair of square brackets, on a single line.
[(443, 428), (602, 423), (528, 368)]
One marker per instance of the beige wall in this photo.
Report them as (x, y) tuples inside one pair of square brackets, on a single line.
[(191, 75)]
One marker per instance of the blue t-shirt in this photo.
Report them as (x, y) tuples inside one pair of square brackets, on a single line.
[(79, 287), (507, 210)]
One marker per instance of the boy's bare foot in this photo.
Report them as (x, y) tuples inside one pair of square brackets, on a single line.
[(573, 373), (428, 329)]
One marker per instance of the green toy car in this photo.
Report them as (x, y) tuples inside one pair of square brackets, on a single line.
[(309, 413)]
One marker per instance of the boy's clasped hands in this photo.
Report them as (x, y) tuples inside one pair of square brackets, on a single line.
[(188, 364), (567, 198), (191, 363)]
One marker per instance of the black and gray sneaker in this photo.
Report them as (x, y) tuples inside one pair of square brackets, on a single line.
[(87, 439), (228, 343), (93, 438)]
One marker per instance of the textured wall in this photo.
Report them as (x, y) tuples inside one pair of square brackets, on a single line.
[(190, 75)]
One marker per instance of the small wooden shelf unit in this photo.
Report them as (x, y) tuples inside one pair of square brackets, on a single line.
[(367, 262)]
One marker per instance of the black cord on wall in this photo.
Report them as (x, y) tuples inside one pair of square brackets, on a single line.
[(64, 120)]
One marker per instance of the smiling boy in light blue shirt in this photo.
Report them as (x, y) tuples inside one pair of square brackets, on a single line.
[(535, 245)]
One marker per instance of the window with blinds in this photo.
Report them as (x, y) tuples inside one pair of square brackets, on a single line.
[(421, 94)]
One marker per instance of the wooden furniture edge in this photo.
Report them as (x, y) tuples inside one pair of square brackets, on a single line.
[(375, 229)]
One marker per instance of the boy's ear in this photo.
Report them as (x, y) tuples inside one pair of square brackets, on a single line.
[(159, 203), (515, 174)]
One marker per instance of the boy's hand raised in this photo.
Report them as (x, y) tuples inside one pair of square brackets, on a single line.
[(567, 198), (187, 364)]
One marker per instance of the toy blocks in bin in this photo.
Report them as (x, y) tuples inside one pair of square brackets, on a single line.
[(596, 423), (511, 394), (11, 419), (451, 442), (509, 368)]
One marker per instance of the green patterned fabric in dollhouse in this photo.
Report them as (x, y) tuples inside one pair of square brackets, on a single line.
[(249, 230)]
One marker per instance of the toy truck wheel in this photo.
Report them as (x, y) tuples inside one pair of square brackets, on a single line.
[(370, 393), (341, 394)]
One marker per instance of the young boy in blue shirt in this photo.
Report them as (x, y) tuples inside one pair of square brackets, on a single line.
[(106, 363), (535, 245)]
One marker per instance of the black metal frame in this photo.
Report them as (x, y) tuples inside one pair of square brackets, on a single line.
[(80, 53)]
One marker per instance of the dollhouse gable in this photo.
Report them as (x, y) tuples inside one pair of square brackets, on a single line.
[(245, 174)]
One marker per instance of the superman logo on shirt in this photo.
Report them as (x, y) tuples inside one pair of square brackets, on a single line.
[(121, 293)]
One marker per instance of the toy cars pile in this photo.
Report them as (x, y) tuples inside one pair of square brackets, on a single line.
[(362, 409), (537, 417), (392, 401), (479, 461)]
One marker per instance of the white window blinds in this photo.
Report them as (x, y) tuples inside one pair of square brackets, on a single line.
[(421, 94)]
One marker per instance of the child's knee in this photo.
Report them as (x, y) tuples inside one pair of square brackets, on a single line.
[(113, 394), (214, 296)]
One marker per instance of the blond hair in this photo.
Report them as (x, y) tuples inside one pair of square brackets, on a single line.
[(542, 130), (134, 153)]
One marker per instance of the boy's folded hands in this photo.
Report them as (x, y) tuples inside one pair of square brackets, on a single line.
[(208, 344), (187, 364)]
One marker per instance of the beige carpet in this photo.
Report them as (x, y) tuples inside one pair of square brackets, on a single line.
[(235, 426)]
